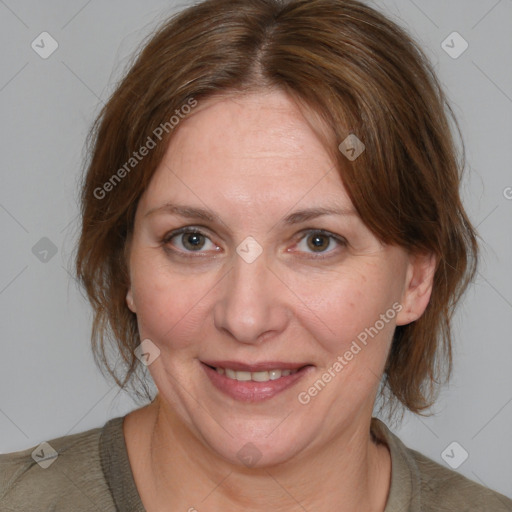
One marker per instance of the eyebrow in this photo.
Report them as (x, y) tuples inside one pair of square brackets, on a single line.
[(293, 218)]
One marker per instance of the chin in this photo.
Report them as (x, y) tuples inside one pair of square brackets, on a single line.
[(256, 445)]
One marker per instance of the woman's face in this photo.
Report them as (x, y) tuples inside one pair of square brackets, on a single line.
[(247, 255)]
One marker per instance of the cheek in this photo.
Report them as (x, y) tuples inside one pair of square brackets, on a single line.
[(352, 320), (347, 306), (171, 307)]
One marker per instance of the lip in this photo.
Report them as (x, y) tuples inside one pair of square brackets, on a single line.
[(250, 391), (255, 367)]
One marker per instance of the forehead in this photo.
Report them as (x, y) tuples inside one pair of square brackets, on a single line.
[(246, 148)]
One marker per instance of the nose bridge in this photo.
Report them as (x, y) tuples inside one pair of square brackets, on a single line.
[(250, 304)]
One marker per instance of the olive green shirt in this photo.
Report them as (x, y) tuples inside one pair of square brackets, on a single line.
[(90, 471)]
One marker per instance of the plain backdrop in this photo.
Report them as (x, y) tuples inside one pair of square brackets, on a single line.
[(49, 385)]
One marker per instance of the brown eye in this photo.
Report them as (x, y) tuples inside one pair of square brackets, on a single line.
[(188, 240), (192, 241), (320, 242)]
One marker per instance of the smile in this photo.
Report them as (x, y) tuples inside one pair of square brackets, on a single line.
[(264, 376), (256, 382)]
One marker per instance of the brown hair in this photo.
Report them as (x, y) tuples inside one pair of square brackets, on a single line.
[(342, 61)]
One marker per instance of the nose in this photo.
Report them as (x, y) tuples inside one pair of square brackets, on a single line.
[(252, 303)]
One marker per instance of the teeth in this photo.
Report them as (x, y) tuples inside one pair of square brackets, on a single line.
[(254, 376)]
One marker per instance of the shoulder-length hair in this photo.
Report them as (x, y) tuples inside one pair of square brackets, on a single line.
[(345, 64)]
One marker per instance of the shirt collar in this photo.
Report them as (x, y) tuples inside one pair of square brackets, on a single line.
[(116, 467), (405, 489)]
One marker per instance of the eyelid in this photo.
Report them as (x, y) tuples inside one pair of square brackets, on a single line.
[(309, 231), (185, 229)]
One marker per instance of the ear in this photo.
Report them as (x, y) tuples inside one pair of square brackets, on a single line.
[(129, 294), (417, 287), (130, 302)]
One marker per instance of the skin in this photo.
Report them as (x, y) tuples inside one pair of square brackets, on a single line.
[(252, 160)]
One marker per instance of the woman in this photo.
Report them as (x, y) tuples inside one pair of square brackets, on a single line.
[(272, 227)]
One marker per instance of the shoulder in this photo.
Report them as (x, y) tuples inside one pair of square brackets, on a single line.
[(64, 473), (445, 489), (426, 486)]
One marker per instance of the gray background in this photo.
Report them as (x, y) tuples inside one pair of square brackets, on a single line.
[(49, 385)]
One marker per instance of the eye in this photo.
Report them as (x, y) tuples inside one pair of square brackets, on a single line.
[(189, 240), (192, 240), (319, 241)]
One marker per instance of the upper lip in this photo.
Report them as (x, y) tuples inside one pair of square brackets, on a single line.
[(255, 367)]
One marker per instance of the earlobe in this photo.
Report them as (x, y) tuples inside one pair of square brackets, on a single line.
[(129, 301), (417, 287)]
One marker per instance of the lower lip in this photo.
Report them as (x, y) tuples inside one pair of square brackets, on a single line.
[(250, 391)]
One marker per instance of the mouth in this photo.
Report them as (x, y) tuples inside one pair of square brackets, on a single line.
[(255, 376), (254, 382)]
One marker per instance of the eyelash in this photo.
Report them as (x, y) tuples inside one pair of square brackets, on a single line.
[(304, 234)]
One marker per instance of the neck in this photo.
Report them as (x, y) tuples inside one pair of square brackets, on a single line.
[(177, 471)]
